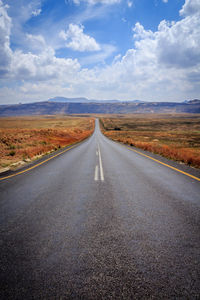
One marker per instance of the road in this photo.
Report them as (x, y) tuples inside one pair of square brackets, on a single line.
[(100, 222)]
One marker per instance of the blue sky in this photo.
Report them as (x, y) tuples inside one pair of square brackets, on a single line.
[(99, 49)]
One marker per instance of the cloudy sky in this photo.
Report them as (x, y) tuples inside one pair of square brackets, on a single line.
[(99, 49)]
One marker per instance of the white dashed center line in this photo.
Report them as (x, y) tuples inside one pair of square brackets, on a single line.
[(96, 174), (99, 168)]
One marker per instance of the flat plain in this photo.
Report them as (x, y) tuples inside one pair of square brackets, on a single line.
[(26, 138), (175, 136)]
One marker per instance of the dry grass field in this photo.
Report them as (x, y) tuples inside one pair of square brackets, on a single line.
[(25, 138), (173, 136)]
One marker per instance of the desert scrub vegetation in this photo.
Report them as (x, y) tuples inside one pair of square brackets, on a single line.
[(25, 138), (174, 136)]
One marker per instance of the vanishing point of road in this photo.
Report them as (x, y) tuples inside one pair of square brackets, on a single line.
[(100, 221)]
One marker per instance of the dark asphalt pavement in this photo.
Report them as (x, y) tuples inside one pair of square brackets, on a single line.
[(100, 222)]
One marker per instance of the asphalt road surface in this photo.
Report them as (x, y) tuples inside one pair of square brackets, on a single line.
[(100, 222)]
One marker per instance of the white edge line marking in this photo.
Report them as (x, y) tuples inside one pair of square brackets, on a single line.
[(100, 165), (96, 177)]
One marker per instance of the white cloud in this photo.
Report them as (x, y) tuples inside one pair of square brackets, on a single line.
[(5, 51), (191, 7), (165, 1), (42, 67), (129, 3), (77, 40), (36, 42), (18, 65), (178, 45), (36, 12), (165, 60), (23, 10), (93, 2), (99, 57), (174, 44), (141, 33), (162, 65)]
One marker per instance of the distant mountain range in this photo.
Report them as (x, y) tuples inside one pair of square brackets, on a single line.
[(85, 100), (60, 105)]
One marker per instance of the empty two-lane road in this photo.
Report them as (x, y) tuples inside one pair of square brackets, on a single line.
[(100, 222)]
